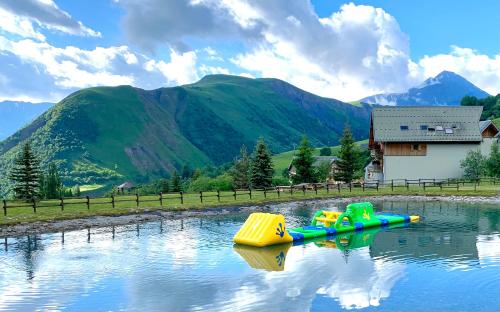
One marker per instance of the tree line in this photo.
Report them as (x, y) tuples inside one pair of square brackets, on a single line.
[(255, 170), (30, 181)]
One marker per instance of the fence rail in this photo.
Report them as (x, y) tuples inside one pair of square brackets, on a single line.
[(302, 189)]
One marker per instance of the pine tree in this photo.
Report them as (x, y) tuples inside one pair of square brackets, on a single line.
[(348, 162), (186, 172), (303, 163), (261, 166), (176, 182), (241, 170), (493, 162), (164, 186), (25, 175), (53, 186)]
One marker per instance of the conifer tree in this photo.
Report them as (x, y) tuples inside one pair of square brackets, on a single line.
[(303, 163), (25, 174), (348, 161), (241, 170), (53, 187), (261, 166), (176, 182)]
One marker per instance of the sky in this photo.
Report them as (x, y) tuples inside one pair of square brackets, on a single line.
[(337, 49)]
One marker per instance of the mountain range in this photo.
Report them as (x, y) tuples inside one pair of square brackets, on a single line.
[(14, 115), (447, 88), (109, 134)]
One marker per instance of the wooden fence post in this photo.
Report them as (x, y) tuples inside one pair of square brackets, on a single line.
[(234, 194), (113, 201), (265, 195), (161, 199), (315, 189), (4, 207), (278, 191), (377, 185), (363, 185), (34, 204), (137, 199), (328, 188), (62, 204), (350, 187), (88, 202), (218, 195), (338, 187), (250, 193), (291, 190), (201, 196), (303, 190), (392, 185), (182, 197)]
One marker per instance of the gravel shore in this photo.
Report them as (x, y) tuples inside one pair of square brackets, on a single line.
[(107, 221)]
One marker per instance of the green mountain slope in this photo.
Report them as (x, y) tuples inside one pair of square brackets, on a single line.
[(109, 134)]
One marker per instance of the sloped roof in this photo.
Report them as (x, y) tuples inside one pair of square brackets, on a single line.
[(319, 159), (126, 185), (427, 124)]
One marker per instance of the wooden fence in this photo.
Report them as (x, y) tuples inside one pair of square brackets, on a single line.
[(302, 189)]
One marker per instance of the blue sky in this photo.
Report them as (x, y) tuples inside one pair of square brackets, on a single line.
[(344, 50)]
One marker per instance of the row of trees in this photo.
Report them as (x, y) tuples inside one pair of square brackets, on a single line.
[(476, 165), (350, 161), (254, 171), (30, 181)]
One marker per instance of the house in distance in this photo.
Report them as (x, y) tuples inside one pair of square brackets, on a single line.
[(425, 142)]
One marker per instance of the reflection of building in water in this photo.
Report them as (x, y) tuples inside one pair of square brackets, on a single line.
[(450, 230)]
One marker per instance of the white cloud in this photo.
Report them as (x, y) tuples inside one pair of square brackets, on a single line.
[(180, 70), (38, 71), (18, 25), (480, 69), (23, 15)]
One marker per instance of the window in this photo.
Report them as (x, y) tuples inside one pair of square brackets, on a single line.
[(439, 128), (423, 127), (404, 128), (448, 131), (431, 129), (415, 147)]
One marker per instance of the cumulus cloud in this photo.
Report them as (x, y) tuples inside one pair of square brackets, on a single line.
[(152, 23), (480, 69), (45, 14), (357, 51), (38, 71)]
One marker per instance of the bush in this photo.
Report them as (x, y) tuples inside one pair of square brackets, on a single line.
[(203, 183)]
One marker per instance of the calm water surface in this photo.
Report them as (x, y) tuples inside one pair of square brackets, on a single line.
[(450, 261)]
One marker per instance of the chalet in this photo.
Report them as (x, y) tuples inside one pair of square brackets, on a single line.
[(425, 142), (125, 187), (318, 160)]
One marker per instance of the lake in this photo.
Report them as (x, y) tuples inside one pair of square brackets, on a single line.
[(450, 261)]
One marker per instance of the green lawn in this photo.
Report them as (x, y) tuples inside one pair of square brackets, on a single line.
[(77, 208), (282, 161)]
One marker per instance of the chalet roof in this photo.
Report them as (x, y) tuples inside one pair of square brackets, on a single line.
[(318, 160), (126, 185), (427, 124)]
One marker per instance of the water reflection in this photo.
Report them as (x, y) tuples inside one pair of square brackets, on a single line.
[(190, 264)]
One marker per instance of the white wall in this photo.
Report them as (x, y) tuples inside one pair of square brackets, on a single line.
[(442, 161)]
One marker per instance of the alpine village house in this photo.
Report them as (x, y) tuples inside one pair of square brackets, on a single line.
[(425, 142)]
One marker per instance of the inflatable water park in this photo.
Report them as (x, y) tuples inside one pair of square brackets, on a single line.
[(266, 229), (263, 241)]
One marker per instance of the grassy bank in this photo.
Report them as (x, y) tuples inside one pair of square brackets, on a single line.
[(51, 210)]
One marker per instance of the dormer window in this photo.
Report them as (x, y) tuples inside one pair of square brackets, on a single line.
[(439, 128), (403, 128), (423, 127)]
